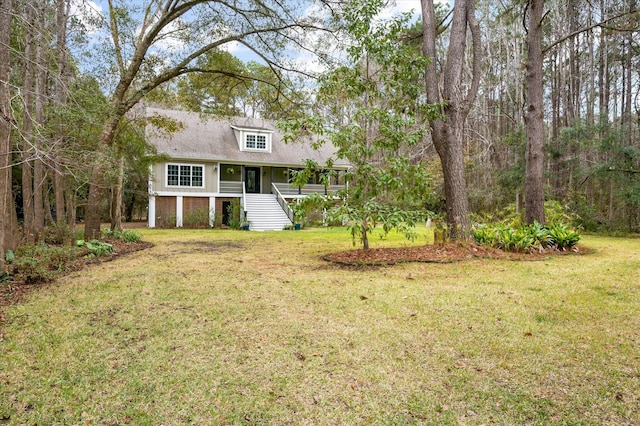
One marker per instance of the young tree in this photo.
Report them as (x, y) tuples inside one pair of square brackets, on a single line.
[(455, 97), (153, 42), (368, 112)]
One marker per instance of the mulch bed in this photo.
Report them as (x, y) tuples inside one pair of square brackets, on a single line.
[(445, 253)]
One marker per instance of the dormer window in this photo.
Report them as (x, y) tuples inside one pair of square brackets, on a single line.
[(255, 141), (253, 138)]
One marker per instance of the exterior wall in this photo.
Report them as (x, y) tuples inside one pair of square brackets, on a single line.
[(165, 212), (195, 212), (159, 178), (179, 211)]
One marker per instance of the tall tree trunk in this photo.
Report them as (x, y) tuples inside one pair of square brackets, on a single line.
[(8, 219), (39, 175), (61, 100), (27, 128), (116, 210), (447, 131), (534, 117), (628, 84)]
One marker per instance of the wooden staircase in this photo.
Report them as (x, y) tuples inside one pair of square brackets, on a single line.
[(264, 213)]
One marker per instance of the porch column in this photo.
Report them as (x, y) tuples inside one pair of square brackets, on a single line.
[(151, 213), (212, 211), (179, 211)]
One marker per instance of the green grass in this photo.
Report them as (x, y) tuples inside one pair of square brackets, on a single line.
[(230, 327)]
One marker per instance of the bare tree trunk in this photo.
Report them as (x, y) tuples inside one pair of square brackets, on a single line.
[(61, 100), (8, 219), (534, 118), (116, 213), (448, 132), (27, 128), (39, 176)]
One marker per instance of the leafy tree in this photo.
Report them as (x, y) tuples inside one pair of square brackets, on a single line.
[(369, 111), (151, 43)]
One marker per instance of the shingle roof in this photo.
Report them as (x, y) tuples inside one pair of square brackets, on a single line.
[(207, 138)]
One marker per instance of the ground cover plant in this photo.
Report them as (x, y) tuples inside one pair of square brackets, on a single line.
[(227, 327)]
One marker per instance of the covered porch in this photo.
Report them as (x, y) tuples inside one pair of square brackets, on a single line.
[(236, 179)]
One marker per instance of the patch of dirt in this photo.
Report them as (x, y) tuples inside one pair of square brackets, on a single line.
[(14, 291), (446, 253), (213, 245)]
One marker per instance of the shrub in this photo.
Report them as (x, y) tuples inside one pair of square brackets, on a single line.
[(41, 263), (96, 247), (234, 214), (128, 236), (526, 238), (563, 237), (197, 218), (57, 234)]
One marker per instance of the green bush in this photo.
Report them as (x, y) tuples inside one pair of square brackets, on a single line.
[(234, 214), (128, 235), (563, 237), (57, 234), (526, 238), (41, 263), (197, 218), (96, 247)]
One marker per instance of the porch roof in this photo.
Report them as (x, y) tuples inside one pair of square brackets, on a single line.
[(205, 138)]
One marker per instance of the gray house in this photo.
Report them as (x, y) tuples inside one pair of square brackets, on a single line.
[(213, 161)]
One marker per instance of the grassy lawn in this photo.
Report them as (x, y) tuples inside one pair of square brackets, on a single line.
[(230, 327)]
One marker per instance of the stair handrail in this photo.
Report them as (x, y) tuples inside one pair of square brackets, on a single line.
[(283, 203), (243, 205)]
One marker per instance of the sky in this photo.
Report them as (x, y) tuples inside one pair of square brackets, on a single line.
[(244, 54)]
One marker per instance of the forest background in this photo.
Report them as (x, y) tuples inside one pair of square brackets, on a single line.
[(73, 74)]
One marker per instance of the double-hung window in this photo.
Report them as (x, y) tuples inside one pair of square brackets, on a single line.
[(185, 175)]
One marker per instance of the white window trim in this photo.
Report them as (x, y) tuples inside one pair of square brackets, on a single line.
[(166, 175), (267, 140)]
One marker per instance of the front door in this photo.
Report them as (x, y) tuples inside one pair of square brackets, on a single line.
[(252, 180)]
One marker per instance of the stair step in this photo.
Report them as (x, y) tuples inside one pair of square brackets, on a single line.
[(264, 213)]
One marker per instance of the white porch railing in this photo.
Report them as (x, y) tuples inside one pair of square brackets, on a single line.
[(286, 189), (230, 187)]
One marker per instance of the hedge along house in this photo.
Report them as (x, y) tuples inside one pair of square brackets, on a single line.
[(213, 161)]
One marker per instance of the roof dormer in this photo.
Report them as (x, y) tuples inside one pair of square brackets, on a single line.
[(253, 139)]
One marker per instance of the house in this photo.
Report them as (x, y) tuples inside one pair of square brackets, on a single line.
[(211, 161)]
